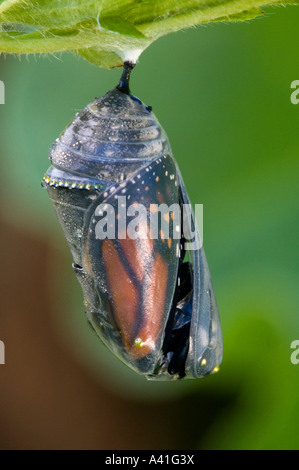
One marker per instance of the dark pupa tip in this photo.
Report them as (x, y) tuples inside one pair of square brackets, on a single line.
[(123, 85)]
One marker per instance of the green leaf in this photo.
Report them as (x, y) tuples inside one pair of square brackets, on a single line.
[(243, 16), (107, 32), (100, 58), (119, 25)]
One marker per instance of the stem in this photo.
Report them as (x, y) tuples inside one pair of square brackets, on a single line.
[(123, 85)]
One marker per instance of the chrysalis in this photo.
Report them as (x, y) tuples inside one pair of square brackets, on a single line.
[(122, 204)]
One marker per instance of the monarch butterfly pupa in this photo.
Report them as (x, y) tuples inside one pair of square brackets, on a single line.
[(149, 298)]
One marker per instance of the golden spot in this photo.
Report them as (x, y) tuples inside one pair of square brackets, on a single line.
[(204, 362), (216, 369), (169, 243), (157, 179), (138, 343), (146, 188), (162, 236), (166, 217)]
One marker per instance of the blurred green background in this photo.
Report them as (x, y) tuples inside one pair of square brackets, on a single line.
[(222, 93)]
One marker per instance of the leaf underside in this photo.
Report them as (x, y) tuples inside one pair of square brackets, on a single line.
[(107, 32)]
